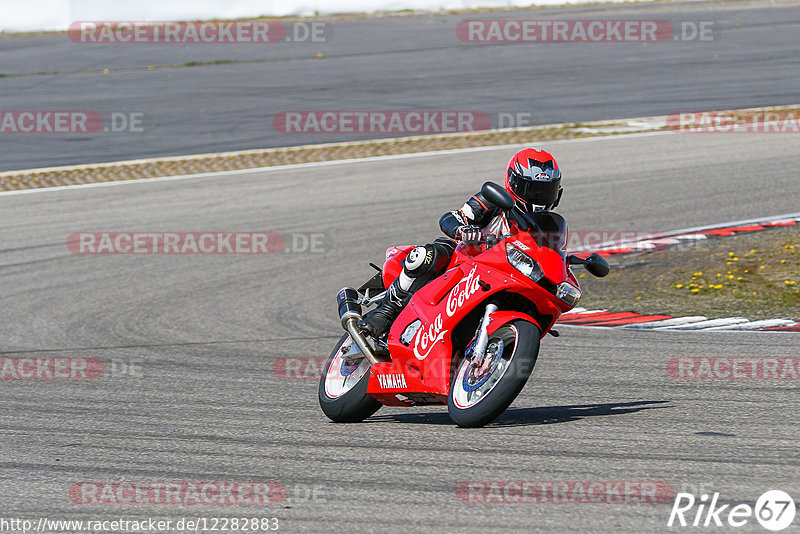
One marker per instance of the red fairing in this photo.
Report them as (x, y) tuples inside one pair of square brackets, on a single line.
[(421, 363), (393, 265)]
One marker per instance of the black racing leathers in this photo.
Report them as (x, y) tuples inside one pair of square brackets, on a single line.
[(475, 211)]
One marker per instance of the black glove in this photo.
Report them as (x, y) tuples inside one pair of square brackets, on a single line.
[(469, 233)]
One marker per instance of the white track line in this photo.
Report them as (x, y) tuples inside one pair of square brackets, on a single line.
[(582, 311), (755, 325), (667, 322), (702, 325)]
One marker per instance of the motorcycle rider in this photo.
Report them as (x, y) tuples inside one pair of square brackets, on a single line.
[(534, 180)]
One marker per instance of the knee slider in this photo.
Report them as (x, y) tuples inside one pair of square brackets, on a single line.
[(419, 260)]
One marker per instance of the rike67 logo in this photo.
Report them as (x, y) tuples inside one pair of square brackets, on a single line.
[(774, 510)]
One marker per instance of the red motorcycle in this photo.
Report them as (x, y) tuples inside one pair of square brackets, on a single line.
[(470, 337)]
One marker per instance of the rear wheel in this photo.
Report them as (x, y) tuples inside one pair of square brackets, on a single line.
[(343, 385), (479, 394)]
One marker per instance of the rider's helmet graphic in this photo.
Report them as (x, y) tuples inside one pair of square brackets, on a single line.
[(534, 179)]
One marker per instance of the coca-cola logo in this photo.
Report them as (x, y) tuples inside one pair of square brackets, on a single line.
[(427, 336), (462, 291)]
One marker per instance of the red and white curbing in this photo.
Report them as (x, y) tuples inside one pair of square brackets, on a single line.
[(636, 321), (668, 239)]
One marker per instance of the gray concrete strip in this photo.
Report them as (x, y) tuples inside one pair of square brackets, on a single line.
[(228, 100)]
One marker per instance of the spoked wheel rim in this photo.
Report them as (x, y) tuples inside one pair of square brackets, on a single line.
[(472, 384), (343, 374)]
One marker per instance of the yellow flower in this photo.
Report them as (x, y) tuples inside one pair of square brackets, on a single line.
[(735, 258), (728, 263), (783, 261), (698, 274), (789, 282), (718, 274), (679, 286), (762, 266), (731, 254), (739, 278), (752, 250), (695, 290), (730, 277)]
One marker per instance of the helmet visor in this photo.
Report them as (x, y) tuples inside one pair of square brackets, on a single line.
[(538, 192)]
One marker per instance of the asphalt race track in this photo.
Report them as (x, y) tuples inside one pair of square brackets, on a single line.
[(407, 63), (203, 333)]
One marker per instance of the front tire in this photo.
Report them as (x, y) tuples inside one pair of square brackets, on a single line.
[(477, 398), (343, 387)]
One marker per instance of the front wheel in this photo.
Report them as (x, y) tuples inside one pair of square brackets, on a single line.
[(343, 386), (479, 395)]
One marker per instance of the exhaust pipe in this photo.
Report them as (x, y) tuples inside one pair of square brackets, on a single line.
[(350, 314)]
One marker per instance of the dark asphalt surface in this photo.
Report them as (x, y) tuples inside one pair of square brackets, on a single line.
[(204, 333), (405, 63)]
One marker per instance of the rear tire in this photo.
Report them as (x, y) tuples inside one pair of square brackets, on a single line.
[(343, 387), (477, 401)]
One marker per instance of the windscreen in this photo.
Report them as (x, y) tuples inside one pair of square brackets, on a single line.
[(549, 230)]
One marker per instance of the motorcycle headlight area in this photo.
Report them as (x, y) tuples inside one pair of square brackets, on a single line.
[(568, 294), (409, 333), (523, 263)]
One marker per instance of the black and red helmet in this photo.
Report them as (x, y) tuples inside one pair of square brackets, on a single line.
[(534, 179)]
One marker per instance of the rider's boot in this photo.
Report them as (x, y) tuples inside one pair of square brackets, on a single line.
[(377, 322)]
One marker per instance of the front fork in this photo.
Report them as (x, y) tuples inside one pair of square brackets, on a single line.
[(483, 336)]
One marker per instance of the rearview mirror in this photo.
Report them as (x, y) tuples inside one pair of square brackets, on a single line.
[(595, 264), (497, 195)]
